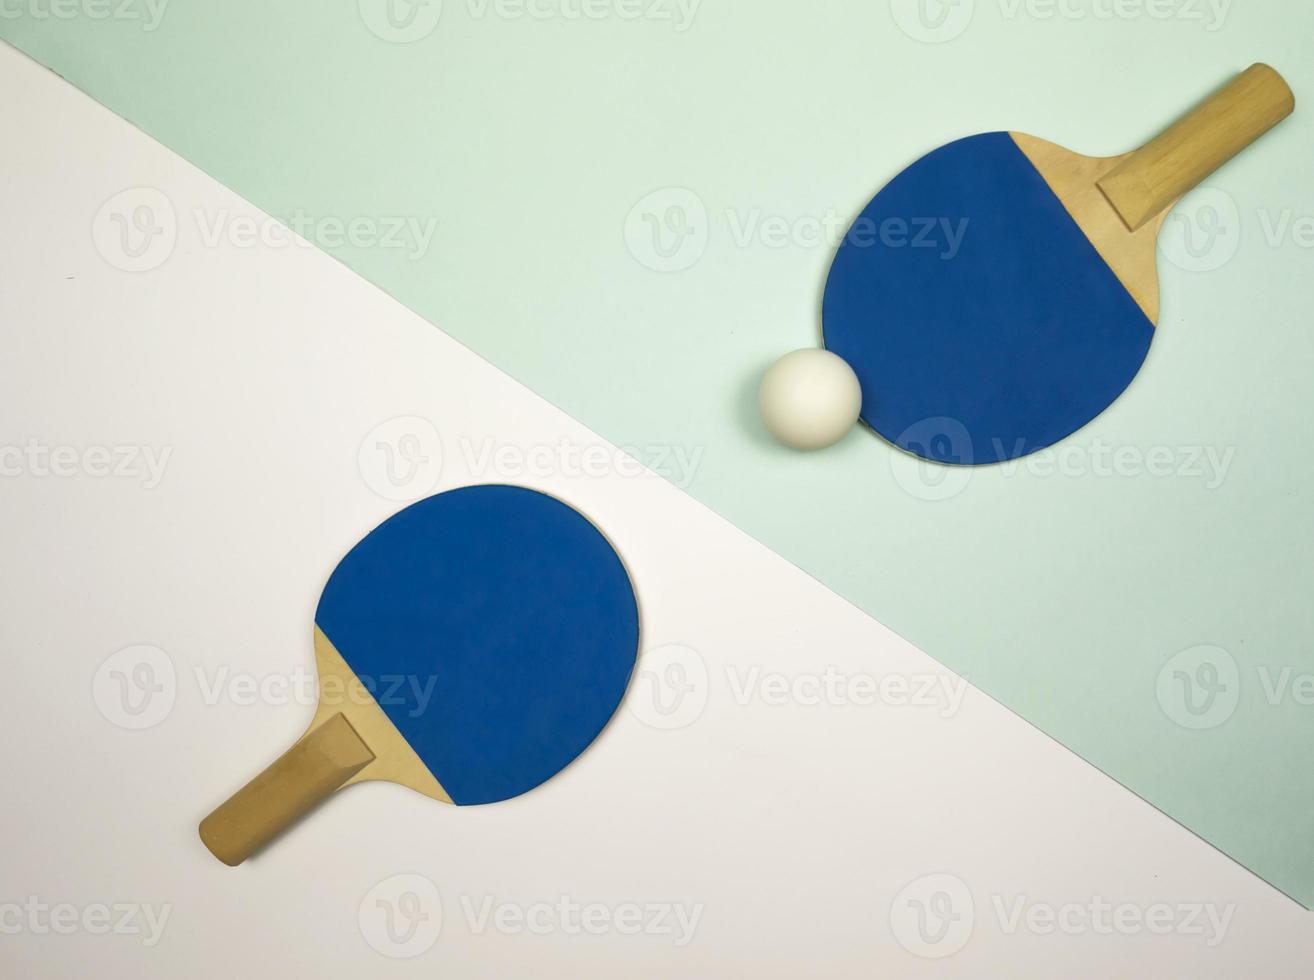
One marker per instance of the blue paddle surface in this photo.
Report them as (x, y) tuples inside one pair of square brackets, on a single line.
[(496, 627), (979, 318)]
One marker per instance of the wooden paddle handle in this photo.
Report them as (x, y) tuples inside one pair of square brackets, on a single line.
[(1149, 181), (303, 777)]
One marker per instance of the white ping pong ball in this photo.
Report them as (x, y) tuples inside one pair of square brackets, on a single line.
[(810, 399)]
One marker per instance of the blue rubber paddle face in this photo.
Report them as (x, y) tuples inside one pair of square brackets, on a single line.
[(979, 318), (497, 629)]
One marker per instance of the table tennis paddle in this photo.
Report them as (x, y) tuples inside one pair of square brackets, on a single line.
[(469, 648), (1044, 311)]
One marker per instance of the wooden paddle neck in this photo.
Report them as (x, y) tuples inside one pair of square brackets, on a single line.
[(1152, 179), (308, 773)]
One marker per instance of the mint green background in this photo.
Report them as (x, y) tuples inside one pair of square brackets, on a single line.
[(530, 141)]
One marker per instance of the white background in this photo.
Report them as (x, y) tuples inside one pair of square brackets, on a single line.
[(803, 835)]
